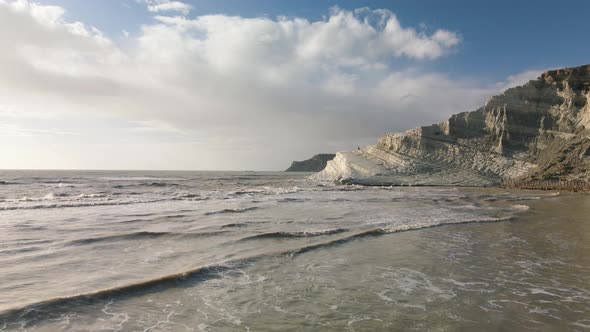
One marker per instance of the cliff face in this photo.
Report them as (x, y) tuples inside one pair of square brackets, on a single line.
[(540, 130), (314, 164)]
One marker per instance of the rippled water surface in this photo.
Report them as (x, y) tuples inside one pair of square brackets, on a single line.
[(229, 251)]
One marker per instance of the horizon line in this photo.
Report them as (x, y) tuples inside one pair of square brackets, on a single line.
[(133, 170)]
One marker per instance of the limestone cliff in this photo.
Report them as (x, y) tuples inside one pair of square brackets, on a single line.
[(540, 130), (314, 164)]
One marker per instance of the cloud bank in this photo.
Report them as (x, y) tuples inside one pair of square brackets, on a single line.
[(218, 91)]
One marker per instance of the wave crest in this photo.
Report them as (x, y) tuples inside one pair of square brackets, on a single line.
[(252, 208), (299, 234), (141, 235)]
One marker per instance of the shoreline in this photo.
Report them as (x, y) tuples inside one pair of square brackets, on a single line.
[(580, 189)]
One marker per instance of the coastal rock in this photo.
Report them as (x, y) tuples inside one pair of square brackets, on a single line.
[(314, 164), (538, 131)]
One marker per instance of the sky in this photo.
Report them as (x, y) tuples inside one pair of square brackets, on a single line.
[(253, 85)]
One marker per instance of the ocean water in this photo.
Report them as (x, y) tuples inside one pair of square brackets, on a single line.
[(247, 251)]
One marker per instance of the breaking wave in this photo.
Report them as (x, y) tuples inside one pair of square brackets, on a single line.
[(390, 230), (199, 274), (51, 306), (140, 236), (71, 204), (159, 184), (520, 207), (232, 211), (233, 225), (287, 235)]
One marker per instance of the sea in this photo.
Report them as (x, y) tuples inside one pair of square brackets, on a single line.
[(274, 251)]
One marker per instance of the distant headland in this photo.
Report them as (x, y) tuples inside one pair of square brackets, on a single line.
[(314, 164)]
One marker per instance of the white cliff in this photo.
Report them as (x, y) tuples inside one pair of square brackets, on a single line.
[(540, 130)]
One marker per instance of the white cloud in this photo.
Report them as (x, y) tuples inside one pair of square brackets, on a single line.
[(345, 37), (15, 130), (224, 91), (157, 6), (520, 78), (47, 15)]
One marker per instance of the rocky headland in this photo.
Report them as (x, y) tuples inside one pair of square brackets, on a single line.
[(314, 164), (538, 131)]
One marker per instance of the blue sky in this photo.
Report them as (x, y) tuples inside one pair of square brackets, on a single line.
[(234, 84)]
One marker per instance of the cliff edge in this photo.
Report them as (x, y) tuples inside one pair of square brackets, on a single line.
[(538, 131)]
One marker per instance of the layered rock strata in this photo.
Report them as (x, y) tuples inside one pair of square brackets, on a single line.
[(537, 131)]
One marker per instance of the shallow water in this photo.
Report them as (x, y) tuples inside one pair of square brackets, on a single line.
[(212, 251)]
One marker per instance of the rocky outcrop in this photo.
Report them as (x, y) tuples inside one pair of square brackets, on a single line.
[(314, 164), (537, 131)]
